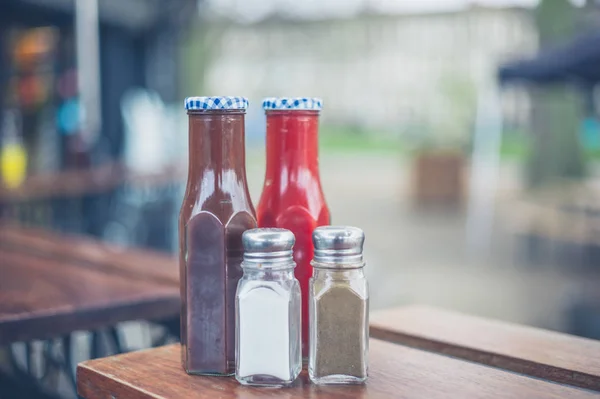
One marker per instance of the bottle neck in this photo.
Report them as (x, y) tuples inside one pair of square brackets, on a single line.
[(10, 132), (216, 144), (292, 142)]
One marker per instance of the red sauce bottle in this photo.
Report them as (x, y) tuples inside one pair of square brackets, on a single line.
[(216, 210), (292, 197)]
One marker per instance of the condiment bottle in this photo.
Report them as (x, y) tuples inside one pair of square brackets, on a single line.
[(216, 210), (339, 307), (268, 322), (292, 197), (13, 155)]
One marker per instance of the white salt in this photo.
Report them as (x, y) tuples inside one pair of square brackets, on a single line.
[(264, 330)]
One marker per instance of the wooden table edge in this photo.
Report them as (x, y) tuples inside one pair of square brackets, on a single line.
[(99, 384), (93, 379), (525, 367), (100, 317)]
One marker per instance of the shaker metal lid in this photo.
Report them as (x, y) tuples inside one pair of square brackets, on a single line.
[(217, 102), (338, 246), (268, 247)]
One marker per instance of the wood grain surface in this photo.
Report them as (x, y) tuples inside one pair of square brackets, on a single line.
[(539, 353), (139, 264), (395, 371), (43, 298)]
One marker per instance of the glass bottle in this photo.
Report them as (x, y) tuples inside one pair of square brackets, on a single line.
[(216, 210), (268, 321), (292, 196), (13, 155), (339, 308)]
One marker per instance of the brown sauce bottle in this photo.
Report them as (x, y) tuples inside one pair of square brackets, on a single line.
[(216, 210)]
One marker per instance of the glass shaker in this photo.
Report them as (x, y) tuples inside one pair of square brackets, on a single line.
[(339, 307), (268, 317)]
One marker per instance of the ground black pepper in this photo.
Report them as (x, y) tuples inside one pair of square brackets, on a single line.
[(340, 333)]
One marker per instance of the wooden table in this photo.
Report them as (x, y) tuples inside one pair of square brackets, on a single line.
[(395, 370), (146, 264), (52, 286), (535, 352)]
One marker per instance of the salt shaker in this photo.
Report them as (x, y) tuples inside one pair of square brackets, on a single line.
[(339, 307), (268, 318)]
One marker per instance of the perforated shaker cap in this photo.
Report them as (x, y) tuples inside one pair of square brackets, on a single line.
[(338, 247), (268, 248)]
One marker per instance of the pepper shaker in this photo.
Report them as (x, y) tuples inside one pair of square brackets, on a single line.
[(339, 307), (268, 317)]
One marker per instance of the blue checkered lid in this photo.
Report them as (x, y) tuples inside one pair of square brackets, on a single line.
[(218, 102), (293, 103)]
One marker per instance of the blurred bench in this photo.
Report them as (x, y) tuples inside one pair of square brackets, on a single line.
[(91, 200), (67, 183), (87, 181), (531, 351)]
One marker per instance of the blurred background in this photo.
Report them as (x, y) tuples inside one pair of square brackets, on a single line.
[(461, 135)]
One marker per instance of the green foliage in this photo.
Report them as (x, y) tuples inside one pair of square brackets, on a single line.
[(516, 146), (459, 96), (197, 50), (556, 21), (354, 139)]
